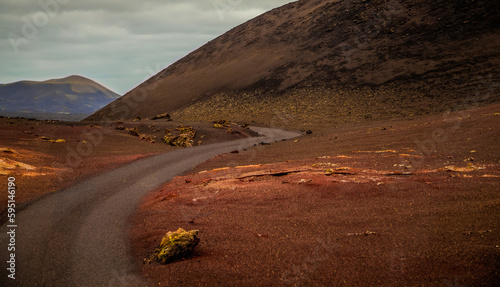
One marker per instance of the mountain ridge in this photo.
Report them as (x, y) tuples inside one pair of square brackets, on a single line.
[(438, 52), (73, 94)]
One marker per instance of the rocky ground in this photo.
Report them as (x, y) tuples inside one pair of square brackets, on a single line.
[(401, 203), (45, 156)]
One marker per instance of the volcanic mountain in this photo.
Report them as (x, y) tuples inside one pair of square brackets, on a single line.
[(332, 61), (73, 94)]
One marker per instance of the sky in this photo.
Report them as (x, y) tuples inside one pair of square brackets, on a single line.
[(118, 43)]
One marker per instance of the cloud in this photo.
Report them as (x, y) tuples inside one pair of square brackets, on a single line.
[(117, 43)]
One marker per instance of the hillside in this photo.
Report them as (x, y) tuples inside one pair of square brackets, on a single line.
[(332, 62), (73, 94)]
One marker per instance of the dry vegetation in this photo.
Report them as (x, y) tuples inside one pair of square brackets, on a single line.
[(307, 107), (184, 138)]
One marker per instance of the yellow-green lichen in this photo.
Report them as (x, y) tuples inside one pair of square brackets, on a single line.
[(175, 246), (184, 139)]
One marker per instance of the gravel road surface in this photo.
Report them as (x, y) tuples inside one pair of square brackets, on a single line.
[(78, 236)]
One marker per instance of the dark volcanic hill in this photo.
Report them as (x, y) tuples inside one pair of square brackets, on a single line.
[(73, 94), (333, 61)]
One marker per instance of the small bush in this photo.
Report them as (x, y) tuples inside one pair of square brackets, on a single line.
[(162, 116)]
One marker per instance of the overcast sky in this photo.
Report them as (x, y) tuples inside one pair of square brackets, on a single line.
[(117, 43)]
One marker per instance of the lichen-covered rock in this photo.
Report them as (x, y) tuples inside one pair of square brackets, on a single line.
[(162, 116), (184, 139), (220, 124), (134, 132), (167, 139), (175, 245), (147, 137)]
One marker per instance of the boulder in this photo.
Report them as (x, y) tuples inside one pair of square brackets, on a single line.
[(134, 132), (162, 116), (184, 139), (175, 246), (222, 123)]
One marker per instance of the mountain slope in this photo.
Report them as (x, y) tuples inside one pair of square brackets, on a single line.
[(332, 61), (73, 94)]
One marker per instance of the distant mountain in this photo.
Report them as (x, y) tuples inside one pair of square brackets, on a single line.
[(332, 61), (73, 95)]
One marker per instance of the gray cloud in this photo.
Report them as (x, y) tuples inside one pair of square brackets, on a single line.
[(117, 43)]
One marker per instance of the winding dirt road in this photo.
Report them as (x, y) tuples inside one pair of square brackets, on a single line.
[(78, 236)]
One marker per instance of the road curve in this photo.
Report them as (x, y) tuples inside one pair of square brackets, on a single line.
[(78, 236)]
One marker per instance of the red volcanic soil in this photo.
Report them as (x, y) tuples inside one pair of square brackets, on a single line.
[(402, 203), (30, 150)]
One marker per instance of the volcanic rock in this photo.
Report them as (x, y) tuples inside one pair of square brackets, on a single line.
[(175, 245)]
